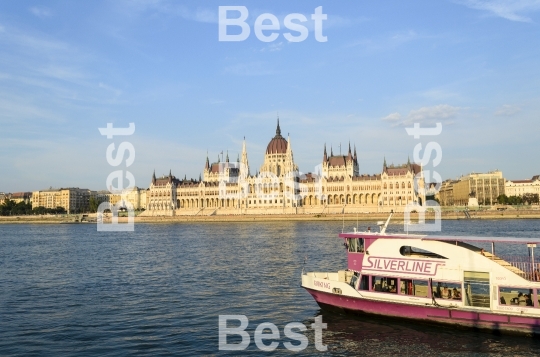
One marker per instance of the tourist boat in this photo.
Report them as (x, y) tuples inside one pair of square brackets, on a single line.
[(442, 279)]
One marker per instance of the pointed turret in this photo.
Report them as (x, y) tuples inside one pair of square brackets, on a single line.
[(349, 154), (227, 159), (331, 151), (154, 178), (355, 157), (244, 165), (289, 150), (325, 156), (278, 129), (207, 165)]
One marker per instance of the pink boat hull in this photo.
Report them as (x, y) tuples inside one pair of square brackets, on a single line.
[(480, 320)]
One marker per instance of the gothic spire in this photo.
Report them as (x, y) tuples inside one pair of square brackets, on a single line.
[(227, 159), (207, 165), (331, 151), (278, 129), (325, 156)]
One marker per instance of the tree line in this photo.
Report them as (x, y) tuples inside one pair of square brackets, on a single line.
[(10, 208), (527, 198)]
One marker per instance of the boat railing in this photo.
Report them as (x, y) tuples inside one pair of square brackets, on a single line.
[(521, 265)]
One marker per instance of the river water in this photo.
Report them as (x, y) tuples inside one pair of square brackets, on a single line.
[(68, 290)]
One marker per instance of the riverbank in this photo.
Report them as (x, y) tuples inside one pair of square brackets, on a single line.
[(397, 218)]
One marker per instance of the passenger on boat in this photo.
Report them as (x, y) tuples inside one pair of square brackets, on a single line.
[(483, 252), (522, 301), (446, 294), (456, 294), (528, 300), (438, 291), (503, 300), (536, 275)]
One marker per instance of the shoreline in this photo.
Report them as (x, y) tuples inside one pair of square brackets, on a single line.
[(397, 218)]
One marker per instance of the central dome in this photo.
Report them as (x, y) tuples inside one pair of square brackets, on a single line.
[(278, 144)]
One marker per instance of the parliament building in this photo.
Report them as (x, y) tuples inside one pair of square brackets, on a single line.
[(228, 188)]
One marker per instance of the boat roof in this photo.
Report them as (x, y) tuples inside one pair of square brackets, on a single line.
[(449, 238)]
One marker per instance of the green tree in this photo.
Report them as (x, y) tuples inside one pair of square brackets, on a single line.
[(530, 198)]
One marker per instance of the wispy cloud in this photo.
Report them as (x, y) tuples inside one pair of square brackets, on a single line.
[(514, 10), (507, 110), (257, 68), (40, 12), (171, 8), (394, 117), (273, 47), (427, 115)]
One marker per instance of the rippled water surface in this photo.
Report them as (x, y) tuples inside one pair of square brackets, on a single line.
[(70, 290)]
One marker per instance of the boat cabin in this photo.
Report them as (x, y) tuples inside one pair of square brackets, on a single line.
[(484, 272)]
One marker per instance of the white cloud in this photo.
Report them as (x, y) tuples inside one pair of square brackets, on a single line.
[(392, 117), (427, 115), (507, 110), (507, 9), (40, 12), (438, 112)]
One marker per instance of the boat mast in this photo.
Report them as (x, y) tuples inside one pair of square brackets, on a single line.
[(383, 227)]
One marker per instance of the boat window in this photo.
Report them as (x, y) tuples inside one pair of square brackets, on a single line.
[(354, 279), (356, 245), (384, 284), (352, 244), (414, 287), (408, 251), (360, 245), (476, 289), (515, 296), (364, 283), (446, 290)]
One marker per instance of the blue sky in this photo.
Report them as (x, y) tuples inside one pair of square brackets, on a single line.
[(69, 67)]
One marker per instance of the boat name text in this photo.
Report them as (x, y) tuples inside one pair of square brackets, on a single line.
[(422, 267), (321, 284)]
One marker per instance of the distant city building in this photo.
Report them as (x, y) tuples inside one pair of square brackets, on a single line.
[(18, 197), (521, 187), (477, 187), (446, 193), (137, 198), (336, 186), (73, 199)]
